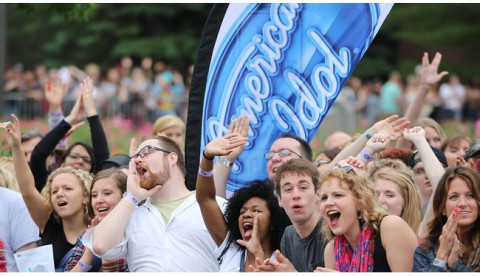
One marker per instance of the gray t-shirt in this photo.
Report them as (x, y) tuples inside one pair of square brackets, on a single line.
[(305, 254)]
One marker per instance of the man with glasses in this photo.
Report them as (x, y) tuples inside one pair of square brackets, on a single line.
[(166, 233)]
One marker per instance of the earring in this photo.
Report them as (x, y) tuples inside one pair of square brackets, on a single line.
[(359, 215)]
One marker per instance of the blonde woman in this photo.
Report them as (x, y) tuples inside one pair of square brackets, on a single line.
[(61, 210), (397, 192), (363, 238)]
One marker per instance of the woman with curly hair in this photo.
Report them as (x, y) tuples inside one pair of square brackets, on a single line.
[(61, 210), (253, 224), (363, 237), (453, 240)]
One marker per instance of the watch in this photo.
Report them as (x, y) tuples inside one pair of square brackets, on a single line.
[(440, 263), (224, 161)]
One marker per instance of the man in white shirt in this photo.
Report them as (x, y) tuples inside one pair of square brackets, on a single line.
[(167, 232)]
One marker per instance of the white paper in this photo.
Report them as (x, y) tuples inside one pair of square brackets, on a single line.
[(39, 259)]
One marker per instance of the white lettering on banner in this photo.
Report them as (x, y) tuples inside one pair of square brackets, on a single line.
[(325, 78), (257, 84), (279, 106)]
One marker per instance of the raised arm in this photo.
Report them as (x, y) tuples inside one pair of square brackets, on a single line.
[(433, 169), (241, 126), (99, 139), (43, 149), (391, 127), (428, 76), (377, 143), (205, 186), (33, 199)]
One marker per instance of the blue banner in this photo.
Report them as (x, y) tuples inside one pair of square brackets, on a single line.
[(282, 65)]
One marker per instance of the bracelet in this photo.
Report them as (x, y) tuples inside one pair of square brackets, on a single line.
[(204, 173), (224, 161), (440, 263), (208, 158), (368, 134), (130, 197), (83, 266), (364, 153)]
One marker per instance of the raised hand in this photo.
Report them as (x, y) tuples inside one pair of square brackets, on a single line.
[(77, 113), (355, 163), (86, 87), (241, 126), (414, 134), (13, 131), (54, 93), (133, 146), (391, 126), (429, 74), (224, 145), (133, 183), (378, 142)]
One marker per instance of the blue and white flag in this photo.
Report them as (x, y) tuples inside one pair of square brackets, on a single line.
[(280, 64)]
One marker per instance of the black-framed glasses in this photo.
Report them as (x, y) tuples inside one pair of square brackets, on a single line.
[(282, 153), (147, 150), (76, 156)]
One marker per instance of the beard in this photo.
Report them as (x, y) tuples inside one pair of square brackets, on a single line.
[(156, 179)]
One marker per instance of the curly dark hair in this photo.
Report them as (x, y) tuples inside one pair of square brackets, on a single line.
[(278, 218)]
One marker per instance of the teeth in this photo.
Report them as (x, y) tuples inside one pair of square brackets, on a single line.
[(332, 212), (102, 209), (62, 203)]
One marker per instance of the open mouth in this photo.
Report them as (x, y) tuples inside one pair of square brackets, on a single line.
[(62, 203), (297, 207), (103, 210), (141, 172), (247, 229), (334, 216)]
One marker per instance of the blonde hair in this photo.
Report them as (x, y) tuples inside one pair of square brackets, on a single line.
[(8, 180), (363, 190), (167, 121), (394, 164), (85, 179), (411, 213)]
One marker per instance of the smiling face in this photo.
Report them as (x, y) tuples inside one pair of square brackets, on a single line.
[(298, 198), (105, 196), (277, 161), (247, 216), (338, 208), (461, 197), (153, 168), (390, 196), (67, 196)]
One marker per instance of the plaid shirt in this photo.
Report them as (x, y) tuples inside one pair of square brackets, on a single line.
[(3, 262), (77, 253)]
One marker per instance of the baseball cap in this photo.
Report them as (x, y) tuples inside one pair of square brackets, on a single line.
[(413, 159), (118, 160), (473, 149)]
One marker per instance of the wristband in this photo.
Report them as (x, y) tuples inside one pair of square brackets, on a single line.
[(208, 158), (364, 153), (204, 173), (130, 197), (440, 263), (368, 135), (224, 161), (84, 266)]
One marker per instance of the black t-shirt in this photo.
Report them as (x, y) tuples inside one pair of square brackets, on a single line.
[(53, 234)]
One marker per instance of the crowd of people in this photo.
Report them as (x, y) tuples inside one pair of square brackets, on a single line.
[(400, 197), (139, 93)]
